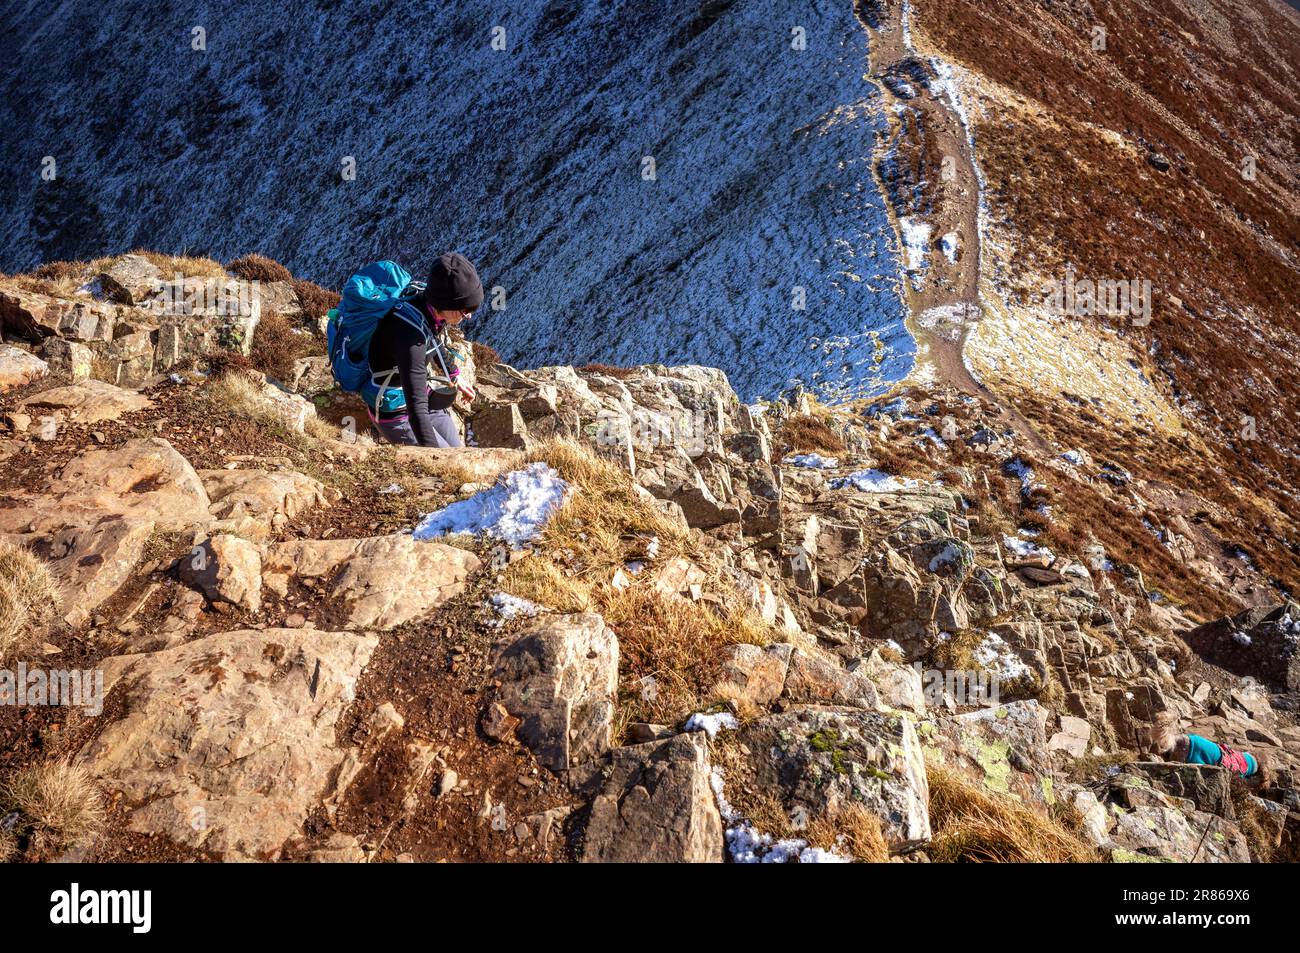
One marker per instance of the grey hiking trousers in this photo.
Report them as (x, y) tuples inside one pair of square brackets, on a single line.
[(398, 429)]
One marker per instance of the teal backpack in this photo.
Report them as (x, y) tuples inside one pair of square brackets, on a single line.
[(368, 295)]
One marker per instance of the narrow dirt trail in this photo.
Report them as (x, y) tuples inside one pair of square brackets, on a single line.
[(943, 300)]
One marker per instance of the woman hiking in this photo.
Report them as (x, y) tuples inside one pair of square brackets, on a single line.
[(413, 381)]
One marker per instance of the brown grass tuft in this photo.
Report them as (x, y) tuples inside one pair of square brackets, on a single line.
[(259, 268), (59, 799), (972, 825), (277, 345), (855, 831), (169, 265), (314, 300), (485, 355), (605, 524), (805, 433), (28, 595)]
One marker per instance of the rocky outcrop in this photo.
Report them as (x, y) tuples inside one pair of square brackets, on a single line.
[(227, 742), (560, 679), (376, 583), (143, 480), (655, 805), (1263, 643), (664, 425), (820, 761), (18, 367), (88, 402), (264, 499)]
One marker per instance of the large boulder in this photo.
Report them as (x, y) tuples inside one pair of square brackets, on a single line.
[(87, 402), (560, 679), (91, 562), (18, 367), (656, 805), (1262, 642), (1006, 745), (265, 496), (131, 279), (144, 480), (1176, 833), (375, 583), (227, 743), (820, 761), (228, 569)]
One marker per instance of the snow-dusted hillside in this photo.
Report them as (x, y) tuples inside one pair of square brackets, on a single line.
[(531, 159)]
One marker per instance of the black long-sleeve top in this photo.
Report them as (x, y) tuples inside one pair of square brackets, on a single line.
[(396, 344)]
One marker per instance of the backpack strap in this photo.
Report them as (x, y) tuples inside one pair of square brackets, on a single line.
[(412, 315)]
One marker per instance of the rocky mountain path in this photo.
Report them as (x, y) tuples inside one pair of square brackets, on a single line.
[(945, 301)]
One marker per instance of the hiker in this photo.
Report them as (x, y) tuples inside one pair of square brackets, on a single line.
[(1193, 749), (388, 343)]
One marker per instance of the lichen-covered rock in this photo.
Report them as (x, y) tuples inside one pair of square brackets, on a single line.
[(819, 761), (656, 805)]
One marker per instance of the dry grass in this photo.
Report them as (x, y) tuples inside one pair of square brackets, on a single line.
[(855, 831), (972, 825), (59, 800), (277, 345), (607, 522), (485, 355), (662, 636), (8, 846), (675, 642), (313, 299), (28, 595), (805, 433), (169, 265), (241, 393), (259, 268)]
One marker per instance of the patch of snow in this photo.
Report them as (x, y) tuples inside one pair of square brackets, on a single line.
[(1073, 457), (873, 481), (510, 607), (711, 724), (749, 846), (652, 548), (938, 441), (1025, 549), (952, 553), (1241, 638), (814, 461), (514, 510), (393, 489), (1018, 468), (994, 655), (949, 245), (916, 242)]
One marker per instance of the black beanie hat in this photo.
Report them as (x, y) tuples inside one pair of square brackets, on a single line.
[(453, 284)]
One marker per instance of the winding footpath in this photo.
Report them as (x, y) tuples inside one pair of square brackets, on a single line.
[(942, 294)]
